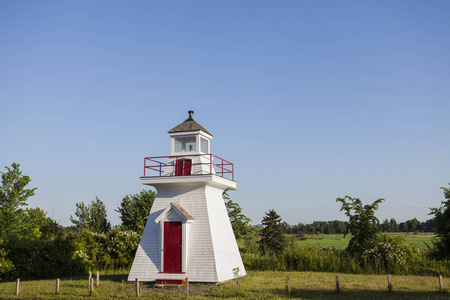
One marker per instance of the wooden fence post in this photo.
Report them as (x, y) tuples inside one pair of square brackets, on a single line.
[(57, 286), (89, 279), (289, 284), (187, 287), (389, 283), (137, 287), (98, 277), (238, 287), (441, 284), (91, 286), (17, 286), (337, 283)]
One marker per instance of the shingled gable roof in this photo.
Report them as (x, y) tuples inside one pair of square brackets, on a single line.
[(181, 211), (189, 125)]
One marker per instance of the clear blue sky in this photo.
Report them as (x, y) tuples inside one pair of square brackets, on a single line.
[(312, 100)]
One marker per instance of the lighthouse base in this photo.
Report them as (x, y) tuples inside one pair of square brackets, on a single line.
[(188, 234)]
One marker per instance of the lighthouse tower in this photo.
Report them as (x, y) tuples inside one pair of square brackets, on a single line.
[(188, 232)]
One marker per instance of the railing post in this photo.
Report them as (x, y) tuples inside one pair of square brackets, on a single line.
[(210, 163), (232, 171)]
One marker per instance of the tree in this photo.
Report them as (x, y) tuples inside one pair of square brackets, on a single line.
[(92, 217), (363, 224), (134, 210), (239, 222), (413, 225), (36, 225), (13, 196), (441, 246), (272, 238)]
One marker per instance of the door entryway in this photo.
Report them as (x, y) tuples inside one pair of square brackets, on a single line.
[(172, 247)]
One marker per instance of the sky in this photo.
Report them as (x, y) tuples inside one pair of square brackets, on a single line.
[(311, 100)]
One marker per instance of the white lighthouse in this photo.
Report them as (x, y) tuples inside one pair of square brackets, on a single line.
[(188, 232)]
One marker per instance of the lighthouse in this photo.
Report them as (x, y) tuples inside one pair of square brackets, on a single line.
[(188, 232)]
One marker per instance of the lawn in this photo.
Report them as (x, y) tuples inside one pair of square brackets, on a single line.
[(339, 242), (256, 285)]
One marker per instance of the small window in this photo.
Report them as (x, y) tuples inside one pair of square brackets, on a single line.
[(185, 144), (178, 146), (204, 145)]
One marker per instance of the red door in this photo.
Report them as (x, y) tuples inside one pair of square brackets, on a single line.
[(172, 247), (183, 167)]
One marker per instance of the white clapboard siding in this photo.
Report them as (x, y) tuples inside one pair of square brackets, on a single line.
[(212, 249)]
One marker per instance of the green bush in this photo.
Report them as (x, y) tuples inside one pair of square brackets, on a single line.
[(38, 259), (392, 253), (113, 250), (6, 265), (67, 255), (390, 256)]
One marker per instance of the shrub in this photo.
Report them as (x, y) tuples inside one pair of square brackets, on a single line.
[(122, 246), (115, 249), (42, 258), (6, 265), (392, 253)]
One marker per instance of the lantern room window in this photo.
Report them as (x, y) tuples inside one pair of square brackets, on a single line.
[(204, 145), (186, 144)]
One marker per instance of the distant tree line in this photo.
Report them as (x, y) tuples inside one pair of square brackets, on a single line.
[(338, 227)]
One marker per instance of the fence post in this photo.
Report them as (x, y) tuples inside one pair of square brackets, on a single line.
[(137, 287), (91, 286), (89, 279), (289, 284), (389, 283), (57, 286), (17, 286), (441, 284), (337, 283), (187, 287), (238, 287), (98, 277)]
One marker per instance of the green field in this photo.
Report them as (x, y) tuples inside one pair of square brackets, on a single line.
[(256, 285), (339, 242)]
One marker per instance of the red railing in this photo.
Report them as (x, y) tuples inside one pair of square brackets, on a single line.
[(201, 164)]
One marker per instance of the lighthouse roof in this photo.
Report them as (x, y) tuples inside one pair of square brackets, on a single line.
[(189, 125)]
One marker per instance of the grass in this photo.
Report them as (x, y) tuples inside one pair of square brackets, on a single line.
[(338, 241), (256, 285)]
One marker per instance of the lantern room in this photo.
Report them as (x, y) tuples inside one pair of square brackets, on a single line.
[(190, 154), (190, 137)]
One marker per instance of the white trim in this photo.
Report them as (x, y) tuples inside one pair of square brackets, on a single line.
[(164, 217), (172, 207), (190, 133), (209, 179)]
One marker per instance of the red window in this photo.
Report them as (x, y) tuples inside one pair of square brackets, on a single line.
[(172, 247)]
